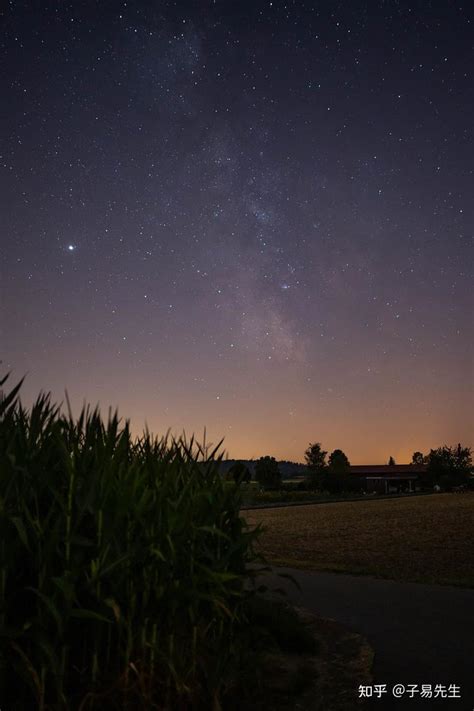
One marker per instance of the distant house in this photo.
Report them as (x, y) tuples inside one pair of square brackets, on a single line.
[(389, 478)]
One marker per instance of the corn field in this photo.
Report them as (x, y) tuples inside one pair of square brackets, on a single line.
[(124, 565)]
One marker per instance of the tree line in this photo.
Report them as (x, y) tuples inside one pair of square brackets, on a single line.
[(446, 467)]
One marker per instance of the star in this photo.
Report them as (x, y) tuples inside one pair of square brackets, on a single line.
[(266, 220)]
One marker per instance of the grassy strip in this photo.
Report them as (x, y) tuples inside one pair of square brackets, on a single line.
[(279, 664), (280, 503), (254, 496)]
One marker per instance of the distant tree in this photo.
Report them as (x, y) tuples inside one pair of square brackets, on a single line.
[(338, 462), (267, 473), (239, 473), (336, 477), (315, 457), (463, 459), (391, 462), (418, 458), (449, 466)]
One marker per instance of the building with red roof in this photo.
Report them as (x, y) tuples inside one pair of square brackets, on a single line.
[(388, 478)]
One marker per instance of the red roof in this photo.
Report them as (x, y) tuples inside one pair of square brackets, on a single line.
[(394, 470)]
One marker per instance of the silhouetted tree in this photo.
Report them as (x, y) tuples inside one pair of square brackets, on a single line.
[(267, 473), (336, 476), (449, 466), (315, 457), (391, 462), (338, 462), (418, 458), (239, 473)]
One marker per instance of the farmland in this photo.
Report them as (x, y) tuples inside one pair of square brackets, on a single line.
[(421, 539)]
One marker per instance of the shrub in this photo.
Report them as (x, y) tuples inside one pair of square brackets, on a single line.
[(239, 473), (123, 564), (267, 473)]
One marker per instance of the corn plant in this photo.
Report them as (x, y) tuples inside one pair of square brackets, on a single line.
[(124, 564)]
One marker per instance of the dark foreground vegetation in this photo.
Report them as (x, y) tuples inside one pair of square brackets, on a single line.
[(124, 567)]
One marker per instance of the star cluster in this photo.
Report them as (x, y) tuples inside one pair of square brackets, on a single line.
[(254, 216)]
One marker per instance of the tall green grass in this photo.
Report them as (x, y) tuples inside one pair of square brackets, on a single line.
[(124, 565)]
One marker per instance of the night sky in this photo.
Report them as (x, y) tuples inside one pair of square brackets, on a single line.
[(251, 216)]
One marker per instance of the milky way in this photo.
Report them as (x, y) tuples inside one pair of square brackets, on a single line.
[(251, 217)]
